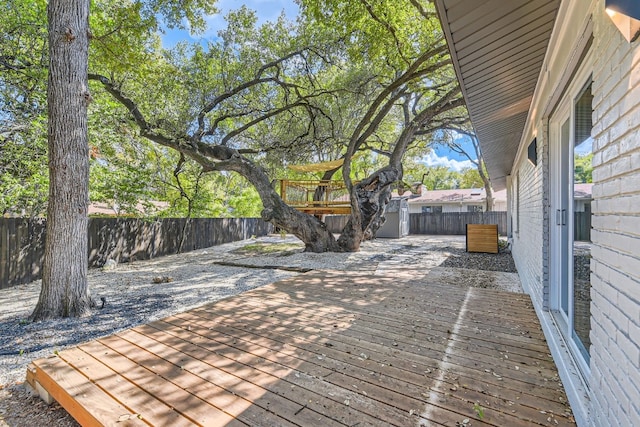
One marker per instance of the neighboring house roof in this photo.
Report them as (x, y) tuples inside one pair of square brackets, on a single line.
[(465, 195), (582, 191), (498, 48)]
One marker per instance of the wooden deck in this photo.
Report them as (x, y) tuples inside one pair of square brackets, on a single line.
[(321, 349)]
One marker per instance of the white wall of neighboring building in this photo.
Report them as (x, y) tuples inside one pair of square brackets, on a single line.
[(446, 207), (500, 205), (459, 200)]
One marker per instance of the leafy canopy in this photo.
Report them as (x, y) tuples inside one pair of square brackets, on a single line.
[(281, 93)]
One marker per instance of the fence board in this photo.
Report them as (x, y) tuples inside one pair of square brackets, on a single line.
[(448, 223), (120, 239), (582, 226), (454, 223)]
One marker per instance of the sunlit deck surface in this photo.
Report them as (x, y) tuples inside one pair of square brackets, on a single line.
[(321, 349)]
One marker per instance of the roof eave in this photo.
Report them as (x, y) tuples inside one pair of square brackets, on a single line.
[(501, 68)]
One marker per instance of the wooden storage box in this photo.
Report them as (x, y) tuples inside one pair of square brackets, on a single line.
[(482, 238)]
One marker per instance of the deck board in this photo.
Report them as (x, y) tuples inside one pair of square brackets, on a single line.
[(325, 348), (136, 398)]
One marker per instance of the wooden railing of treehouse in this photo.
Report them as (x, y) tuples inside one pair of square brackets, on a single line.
[(316, 197)]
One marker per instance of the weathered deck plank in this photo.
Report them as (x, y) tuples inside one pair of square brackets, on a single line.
[(122, 390), (88, 404), (328, 348)]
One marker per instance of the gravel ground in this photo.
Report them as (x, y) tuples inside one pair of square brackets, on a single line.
[(133, 297), (459, 258)]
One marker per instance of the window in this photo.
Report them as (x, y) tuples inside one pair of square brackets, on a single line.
[(432, 209), (582, 147), (474, 208)]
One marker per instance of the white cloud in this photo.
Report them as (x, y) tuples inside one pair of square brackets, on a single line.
[(458, 136), (432, 159)]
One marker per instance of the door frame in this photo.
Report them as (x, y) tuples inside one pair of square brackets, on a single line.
[(561, 261)]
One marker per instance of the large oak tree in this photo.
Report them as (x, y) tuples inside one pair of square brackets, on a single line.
[(347, 78), (64, 271), (276, 92)]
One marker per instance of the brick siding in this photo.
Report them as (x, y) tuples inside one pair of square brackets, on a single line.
[(615, 265), (527, 236)]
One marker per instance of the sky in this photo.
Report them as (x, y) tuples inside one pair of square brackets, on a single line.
[(268, 10), (442, 156), (444, 159)]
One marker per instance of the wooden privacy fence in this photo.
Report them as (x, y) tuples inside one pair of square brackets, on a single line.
[(454, 223), (582, 226), (120, 239), (450, 223)]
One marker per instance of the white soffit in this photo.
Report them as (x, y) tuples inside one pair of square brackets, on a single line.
[(498, 47)]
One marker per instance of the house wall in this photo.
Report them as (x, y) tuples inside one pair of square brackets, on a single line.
[(499, 205), (580, 205), (610, 394), (526, 205), (615, 265), (446, 207)]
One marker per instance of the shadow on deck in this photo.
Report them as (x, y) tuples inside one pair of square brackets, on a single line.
[(321, 349)]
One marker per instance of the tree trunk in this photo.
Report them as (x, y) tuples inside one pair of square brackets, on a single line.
[(64, 290), (489, 198), (368, 200), (307, 228)]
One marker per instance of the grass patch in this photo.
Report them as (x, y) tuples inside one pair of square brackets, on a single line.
[(280, 249)]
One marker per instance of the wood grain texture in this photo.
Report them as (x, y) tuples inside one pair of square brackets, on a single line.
[(482, 238), (328, 348)]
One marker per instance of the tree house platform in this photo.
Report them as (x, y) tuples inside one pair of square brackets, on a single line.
[(316, 197)]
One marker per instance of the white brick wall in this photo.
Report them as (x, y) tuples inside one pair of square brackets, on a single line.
[(614, 380), (615, 279), (528, 236)]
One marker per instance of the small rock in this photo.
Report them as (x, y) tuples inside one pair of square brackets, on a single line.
[(109, 265)]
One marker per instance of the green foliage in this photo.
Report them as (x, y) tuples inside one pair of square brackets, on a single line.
[(441, 178), (23, 143), (124, 168), (433, 178), (342, 55), (470, 178), (245, 202), (23, 173), (386, 33), (479, 410), (583, 168)]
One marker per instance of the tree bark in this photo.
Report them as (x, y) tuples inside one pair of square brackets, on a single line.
[(485, 179), (64, 290), (488, 192), (368, 200)]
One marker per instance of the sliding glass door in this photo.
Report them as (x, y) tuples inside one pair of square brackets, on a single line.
[(570, 248)]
